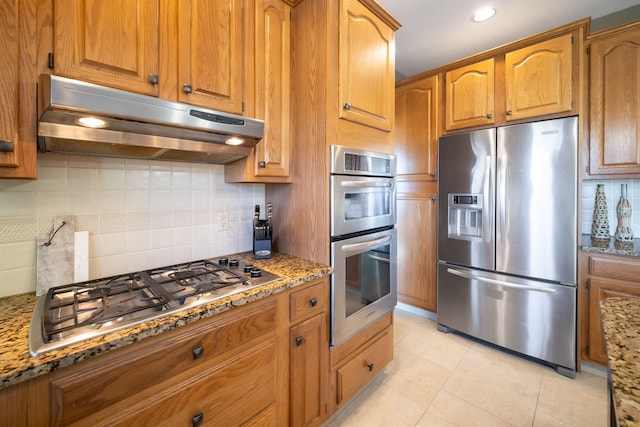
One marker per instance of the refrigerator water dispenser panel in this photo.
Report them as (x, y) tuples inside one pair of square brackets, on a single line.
[(465, 216)]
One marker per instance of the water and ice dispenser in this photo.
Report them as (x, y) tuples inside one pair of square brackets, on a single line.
[(465, 216)]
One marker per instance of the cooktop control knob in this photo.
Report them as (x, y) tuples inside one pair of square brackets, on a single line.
[(234, 263), (248, 268), (223, 261), (256, 272)]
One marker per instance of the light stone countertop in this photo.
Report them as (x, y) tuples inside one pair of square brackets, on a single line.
[(17, 365), (621, 323), (611, 246)]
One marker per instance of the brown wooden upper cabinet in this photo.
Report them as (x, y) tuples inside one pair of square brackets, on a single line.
[(270, 160), (537, 81), (188, 50), (615, 101), (366, 67), (469, 95), (416, 129), (18, 90)]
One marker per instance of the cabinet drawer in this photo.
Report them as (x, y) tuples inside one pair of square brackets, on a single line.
[(88, 387), (217, 395), (618, 268), (308, 301), (364, 366)]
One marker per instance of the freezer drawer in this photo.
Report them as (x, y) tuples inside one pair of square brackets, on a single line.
[(533, 318)]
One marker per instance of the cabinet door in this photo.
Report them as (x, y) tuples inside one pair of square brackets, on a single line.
[(417, 208), (615, 102), (211, 52), (309, 370), (598, 290), (17, 90), (366, 67), (113, 43), (469, 95), (416, 129), (538, 79)]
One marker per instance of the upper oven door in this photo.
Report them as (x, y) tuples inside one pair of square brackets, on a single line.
[(361, 203)]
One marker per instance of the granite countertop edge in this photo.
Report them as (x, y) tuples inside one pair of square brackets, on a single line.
[(621, 324), (17, 365)]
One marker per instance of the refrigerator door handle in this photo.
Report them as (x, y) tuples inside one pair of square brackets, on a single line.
[(503, 201), (499, 282), (486, 213)]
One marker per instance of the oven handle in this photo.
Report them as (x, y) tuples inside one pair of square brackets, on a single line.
[(363, 184), (366, 245), (379, 258)]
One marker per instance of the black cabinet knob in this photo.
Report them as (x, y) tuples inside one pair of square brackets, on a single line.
[(198, 419), (313, 302), (299, 341), (509, 112), (197, 352), (370, 366), (187, 88), (153, 79), (347, 106), (262, 164)]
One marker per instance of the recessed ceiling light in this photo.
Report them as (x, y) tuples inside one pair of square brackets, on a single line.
[(484, 14)]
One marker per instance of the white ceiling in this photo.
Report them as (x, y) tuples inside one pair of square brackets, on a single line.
[(437, 32)]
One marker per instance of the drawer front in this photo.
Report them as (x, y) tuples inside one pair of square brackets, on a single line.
[(96, 385), (615, 268), (308, 301), (216, 396), (364, 367)]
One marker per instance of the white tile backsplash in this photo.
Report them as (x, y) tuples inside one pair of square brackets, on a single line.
[(612, 190), (139, 214)]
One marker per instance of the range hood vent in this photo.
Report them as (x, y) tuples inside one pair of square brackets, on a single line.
[(138, 126)]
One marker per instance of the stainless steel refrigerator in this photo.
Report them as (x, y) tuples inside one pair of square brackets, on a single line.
[(507, 246)]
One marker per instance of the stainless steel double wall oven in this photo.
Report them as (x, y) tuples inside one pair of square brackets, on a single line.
[(363, 239)]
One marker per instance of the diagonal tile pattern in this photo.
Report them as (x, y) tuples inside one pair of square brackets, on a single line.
[(439, 379)]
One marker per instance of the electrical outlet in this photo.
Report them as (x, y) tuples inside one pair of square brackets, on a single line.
[(223, 221)]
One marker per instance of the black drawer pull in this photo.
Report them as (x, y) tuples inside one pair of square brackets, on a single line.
[(197, 352), (6, 147), (370, 366), (313, 302), (198, 419), (299, 341)]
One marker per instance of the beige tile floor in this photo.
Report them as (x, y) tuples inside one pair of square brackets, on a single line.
[(439, 379)]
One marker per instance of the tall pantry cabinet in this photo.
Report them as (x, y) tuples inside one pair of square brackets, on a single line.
[(417, 129), (341, 94)]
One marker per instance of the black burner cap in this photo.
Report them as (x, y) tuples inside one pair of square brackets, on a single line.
[(247, 268), (223, 261), (256, 272), (234, 263)]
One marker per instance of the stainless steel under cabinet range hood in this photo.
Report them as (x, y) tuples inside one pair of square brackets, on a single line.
[(126, 124)]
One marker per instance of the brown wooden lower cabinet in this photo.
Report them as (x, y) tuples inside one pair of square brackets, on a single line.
[(603, 276), (356, 362), (232, 369)]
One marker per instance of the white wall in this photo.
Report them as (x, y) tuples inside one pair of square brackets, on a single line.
[(612, 191), (139, 214)]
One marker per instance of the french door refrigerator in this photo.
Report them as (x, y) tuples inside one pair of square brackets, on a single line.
[(507, 247)]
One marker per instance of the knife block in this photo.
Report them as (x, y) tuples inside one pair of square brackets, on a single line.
[(262, 242)]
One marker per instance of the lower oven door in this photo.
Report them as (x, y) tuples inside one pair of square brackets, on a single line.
[(364, 282)]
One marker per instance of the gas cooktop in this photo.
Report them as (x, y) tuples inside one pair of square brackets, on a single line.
[(80, 311)]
